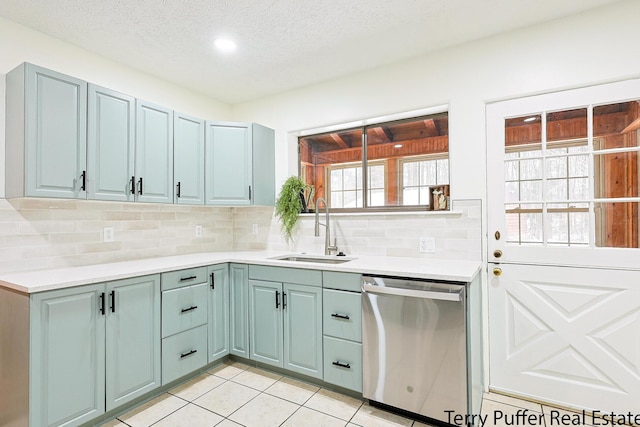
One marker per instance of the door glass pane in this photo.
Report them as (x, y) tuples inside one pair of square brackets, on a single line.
[(617, 224)]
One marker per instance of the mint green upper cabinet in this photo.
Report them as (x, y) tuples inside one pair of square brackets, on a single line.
[(228, 164), (303, 329), (264, 165), (265, 321), (239, 310), (132, 339), (240, 164), (67, 357), (154, 153), (188, 158), (46, 134), (110, 145), (218, 311)]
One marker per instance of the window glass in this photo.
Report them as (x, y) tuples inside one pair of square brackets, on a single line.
[(404, 158), (580, 190)]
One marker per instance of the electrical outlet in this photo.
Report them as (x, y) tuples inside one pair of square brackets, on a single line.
[(198, 231), (254, 229), (107, 234), (427, 244)]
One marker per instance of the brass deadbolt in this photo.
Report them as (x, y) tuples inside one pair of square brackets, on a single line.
[(497, 253)]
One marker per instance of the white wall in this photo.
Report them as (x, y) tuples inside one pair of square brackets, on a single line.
[(597, 46), (21, 44)]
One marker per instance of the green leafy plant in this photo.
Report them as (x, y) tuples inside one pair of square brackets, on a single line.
[(289, 205)]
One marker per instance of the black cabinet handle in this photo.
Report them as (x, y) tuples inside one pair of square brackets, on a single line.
[(249, 192), (213, 280), (186, 310), (340, 316), (342, 365), (113, 301), (140, 186), (133, 185), (277, 299), (83, 187), (184, 279), (178, 189), (102, 303), (189, 353), (284, 300)]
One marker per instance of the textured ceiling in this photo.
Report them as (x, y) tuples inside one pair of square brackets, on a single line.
[(282, 44)]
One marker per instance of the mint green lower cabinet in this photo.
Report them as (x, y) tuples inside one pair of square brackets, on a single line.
[(132, 338), (239, 310), (343, 363), (302, 311), (265, 320), (286, 325), (67, 381), (218, 312), (183, 353)]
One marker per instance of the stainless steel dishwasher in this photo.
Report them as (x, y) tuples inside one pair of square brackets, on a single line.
[(414, 345)]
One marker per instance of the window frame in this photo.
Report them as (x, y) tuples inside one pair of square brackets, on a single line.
[(363, 125)]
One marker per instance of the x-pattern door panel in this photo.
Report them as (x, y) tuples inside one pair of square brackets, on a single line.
[(570, 336)]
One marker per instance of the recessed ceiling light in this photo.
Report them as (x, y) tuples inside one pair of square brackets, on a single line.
[(397, 146), (224, 45), (530, 119)]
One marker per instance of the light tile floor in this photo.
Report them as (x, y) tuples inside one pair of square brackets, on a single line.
[(234, 394)]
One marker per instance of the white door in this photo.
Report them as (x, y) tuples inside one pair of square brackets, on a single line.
[(564, 288)]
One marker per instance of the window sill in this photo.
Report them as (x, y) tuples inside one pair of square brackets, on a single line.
[(387, 213)]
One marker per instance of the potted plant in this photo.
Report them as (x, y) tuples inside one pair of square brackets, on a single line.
[(289, 204)]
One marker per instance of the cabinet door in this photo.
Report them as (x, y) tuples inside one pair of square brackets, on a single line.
[(228, 164), (110, 145), (132, 338), (67, 356), (56, 134), (265, 320), (218, 311), (239, 310), (154, 153), (303, 329), (188, 157)]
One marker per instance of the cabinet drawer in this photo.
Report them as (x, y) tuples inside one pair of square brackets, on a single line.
[(180, 278), (344, 281), (184, 308), (183, 353), (343, 363), (299, 276), (341, 314)]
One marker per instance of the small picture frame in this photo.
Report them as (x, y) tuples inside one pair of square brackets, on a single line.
[(439, 198)]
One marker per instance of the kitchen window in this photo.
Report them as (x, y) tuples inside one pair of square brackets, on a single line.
[(382, 166)]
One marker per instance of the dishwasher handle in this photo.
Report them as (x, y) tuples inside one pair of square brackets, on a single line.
[(434, 295)]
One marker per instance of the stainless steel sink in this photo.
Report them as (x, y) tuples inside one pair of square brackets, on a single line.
[(314, 258)]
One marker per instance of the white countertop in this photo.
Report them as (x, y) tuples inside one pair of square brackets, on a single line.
[(44, 280)]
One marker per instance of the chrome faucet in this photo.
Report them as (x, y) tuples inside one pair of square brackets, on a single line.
[(327, 237)]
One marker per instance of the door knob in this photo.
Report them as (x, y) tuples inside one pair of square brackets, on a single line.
[(497, 253), (497, 271)]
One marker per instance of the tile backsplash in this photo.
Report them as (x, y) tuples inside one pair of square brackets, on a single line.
[(457, 233), (38, 233)]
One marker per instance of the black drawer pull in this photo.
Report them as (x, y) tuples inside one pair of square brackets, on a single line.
[(342, 365), (340, 316), (189, 353), (185, 310), (184, 279)]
